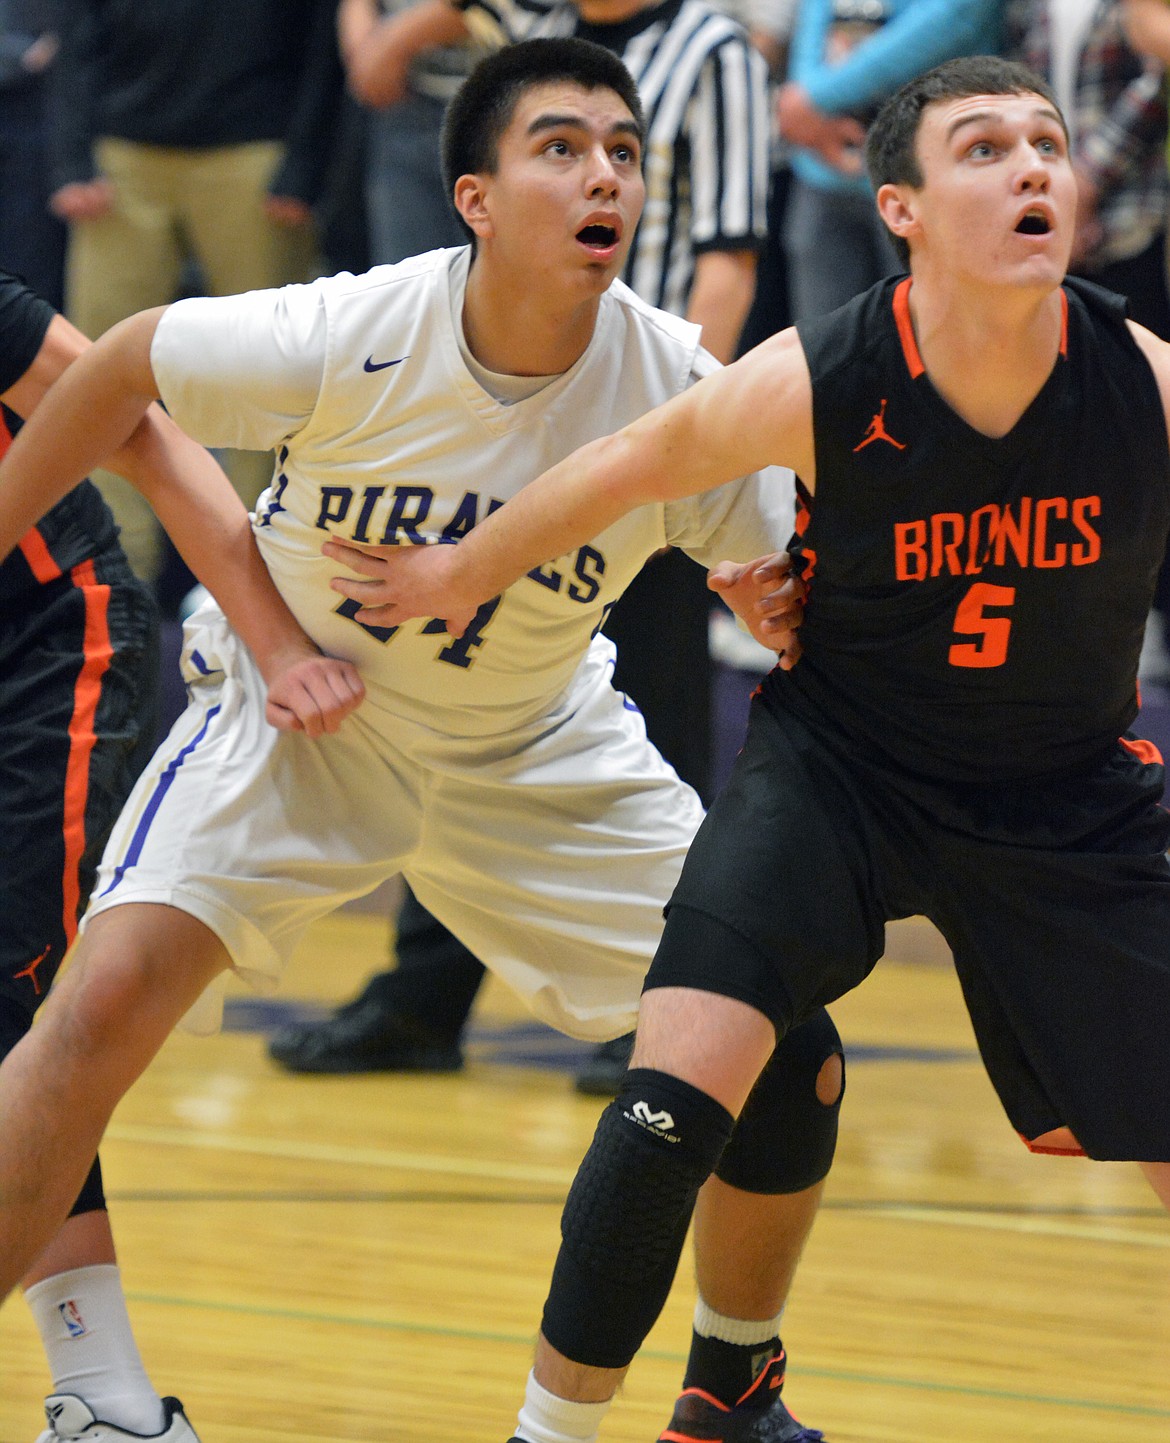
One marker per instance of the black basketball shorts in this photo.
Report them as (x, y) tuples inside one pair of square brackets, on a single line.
[(1054, 899), (78, 714)]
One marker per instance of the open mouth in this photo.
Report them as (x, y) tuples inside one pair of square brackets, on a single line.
[(598, 237), (1034, 223)]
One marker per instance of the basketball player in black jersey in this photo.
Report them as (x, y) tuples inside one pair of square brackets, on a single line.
[(983, 453), (78, 687)]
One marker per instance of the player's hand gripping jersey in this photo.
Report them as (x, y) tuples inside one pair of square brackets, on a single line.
[(383, 435)]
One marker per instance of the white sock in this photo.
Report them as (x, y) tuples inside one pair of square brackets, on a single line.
[(82, 1319), (545, 1418), (744, 1331)]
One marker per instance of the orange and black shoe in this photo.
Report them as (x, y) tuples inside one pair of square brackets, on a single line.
[(758, 1417)]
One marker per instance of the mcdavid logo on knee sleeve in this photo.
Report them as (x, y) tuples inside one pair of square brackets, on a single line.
[(660, 1123)]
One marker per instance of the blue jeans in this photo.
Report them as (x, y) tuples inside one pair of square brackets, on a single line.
[(838, 246), (409, 210)]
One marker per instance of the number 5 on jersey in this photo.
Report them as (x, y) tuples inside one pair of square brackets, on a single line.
[(992, 632)]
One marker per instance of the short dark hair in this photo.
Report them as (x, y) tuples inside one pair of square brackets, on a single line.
[(482, 108), (891, 154)]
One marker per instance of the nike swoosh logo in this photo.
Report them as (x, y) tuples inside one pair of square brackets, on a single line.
[(372, 365)]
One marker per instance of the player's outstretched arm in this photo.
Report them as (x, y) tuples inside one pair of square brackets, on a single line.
[(768, 598), (755, 413), (86, 405)]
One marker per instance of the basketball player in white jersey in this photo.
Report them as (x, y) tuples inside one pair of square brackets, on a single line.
[(498, 771)]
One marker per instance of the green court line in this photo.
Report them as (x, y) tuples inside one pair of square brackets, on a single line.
[(481, 1335)]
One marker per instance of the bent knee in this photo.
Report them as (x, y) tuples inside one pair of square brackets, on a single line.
[(831, 1080), (786, 1136)]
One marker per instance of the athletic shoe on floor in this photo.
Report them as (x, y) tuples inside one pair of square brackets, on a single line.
[(363, 1036), (602, 1075), (71, 1420), (759, 1417)]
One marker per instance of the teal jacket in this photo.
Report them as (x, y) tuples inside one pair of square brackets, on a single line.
[(917, 35)]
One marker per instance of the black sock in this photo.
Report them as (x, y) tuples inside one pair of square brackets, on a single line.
[(728, 1370)]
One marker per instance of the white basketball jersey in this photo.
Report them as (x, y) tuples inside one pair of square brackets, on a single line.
[(383, 435)]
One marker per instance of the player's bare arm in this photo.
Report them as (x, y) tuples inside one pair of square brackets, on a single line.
[(755, 413), (88, 405)]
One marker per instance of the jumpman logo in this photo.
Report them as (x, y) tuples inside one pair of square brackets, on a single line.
[(31, 970), (877, 431)]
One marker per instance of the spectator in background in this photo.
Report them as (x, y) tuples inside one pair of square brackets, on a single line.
[(188, 130), (770, 24), (846, 57), (1114, 101), (704, 88), (32, 240), (406, 201), (1147, 28)]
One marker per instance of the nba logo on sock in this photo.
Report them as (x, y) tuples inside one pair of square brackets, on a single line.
[(71, 1317)]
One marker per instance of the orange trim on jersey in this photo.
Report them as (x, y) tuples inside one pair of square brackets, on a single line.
[(97, 650), (1144, 750), (906, 329), (32, 547), (1060, 1142), (39, 557)]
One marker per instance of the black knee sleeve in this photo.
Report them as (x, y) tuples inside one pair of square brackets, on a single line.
[(92, 1197), (627, 1215), (785, 1137)]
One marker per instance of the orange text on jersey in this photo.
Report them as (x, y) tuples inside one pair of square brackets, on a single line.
[(1048, 533)]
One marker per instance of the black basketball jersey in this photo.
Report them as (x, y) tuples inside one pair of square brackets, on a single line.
[(80, 524), (976, 605)]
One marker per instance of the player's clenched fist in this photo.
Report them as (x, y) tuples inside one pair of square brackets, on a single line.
[(311, 693)]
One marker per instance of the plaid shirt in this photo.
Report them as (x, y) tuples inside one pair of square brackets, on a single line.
[(1119, 122)]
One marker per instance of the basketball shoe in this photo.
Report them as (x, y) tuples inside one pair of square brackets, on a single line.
[(71, 1420), (365, 1036), (758, 1417)]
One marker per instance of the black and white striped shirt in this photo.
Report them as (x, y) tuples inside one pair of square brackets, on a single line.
[(704, 91)]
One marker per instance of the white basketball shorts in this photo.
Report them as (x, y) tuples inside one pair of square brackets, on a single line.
[(550, 853)]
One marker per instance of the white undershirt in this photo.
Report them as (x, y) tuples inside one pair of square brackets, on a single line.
[(1069, 22)]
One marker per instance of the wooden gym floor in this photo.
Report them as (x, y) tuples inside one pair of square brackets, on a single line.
[(310, 1260)]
